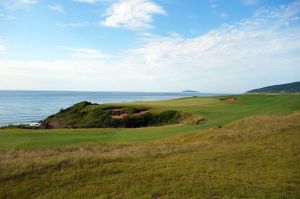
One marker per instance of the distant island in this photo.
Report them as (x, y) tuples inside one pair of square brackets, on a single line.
[(282, 88), (189, 91)]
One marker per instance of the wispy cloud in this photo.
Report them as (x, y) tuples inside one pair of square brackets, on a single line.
[(223, 15), (6, 17), (14, 4), (132, 14), (2, 47), (230, 58), (259, 47), (74, 24), (57, 8), (85, 53), (214, 6), (89, 1)]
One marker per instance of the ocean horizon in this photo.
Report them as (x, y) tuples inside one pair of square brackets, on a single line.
[(25, 106)]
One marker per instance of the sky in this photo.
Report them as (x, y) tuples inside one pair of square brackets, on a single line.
[(215, 46)]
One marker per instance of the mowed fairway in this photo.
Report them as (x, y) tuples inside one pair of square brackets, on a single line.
[(215, 112), (255, 154)]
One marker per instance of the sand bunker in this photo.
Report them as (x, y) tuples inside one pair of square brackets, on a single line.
[(126, 115), (230, 99), (120, 116)]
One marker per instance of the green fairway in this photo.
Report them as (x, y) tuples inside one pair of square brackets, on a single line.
[(244, 149), (257, 157), (215, 112), (57, 137)]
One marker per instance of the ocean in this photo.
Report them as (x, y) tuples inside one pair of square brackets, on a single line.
[(22, 107)]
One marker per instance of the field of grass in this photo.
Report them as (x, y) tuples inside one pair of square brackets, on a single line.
[(216, 113), (255, 154)]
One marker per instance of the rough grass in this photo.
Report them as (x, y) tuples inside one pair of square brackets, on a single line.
[(256, 157), (255, 154)]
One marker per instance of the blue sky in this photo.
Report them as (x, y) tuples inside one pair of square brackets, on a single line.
[(148, 45)]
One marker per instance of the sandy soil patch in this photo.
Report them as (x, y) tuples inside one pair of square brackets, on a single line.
[(126, 115), (230, 99)]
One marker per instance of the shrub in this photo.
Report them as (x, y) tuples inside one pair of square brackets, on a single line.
[(78, 116)]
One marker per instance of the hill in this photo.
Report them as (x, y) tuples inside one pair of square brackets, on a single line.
[(282, 88), (88, 115), (247, 147)]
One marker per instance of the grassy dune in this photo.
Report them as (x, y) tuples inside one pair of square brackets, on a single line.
[(254, 155)]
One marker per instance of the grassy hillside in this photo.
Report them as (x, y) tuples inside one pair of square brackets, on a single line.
[(215, 112), (88, 115), (257, 157), (282, 88), (245, 149)]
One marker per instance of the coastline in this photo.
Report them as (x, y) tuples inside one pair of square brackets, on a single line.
[(25, 107)]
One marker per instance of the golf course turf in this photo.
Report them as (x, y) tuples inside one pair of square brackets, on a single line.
[(249, 148)]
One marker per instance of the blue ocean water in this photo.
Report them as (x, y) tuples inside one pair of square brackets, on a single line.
[(18, 107)]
